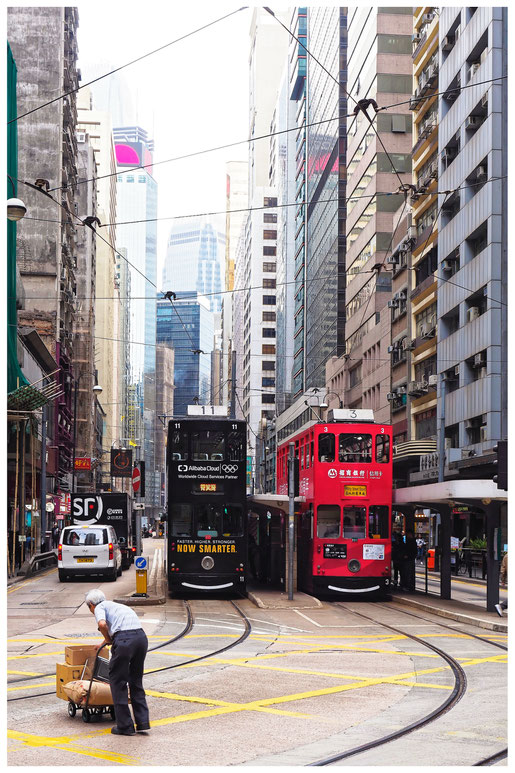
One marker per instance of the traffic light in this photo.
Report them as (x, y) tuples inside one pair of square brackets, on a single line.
[(501, 478)]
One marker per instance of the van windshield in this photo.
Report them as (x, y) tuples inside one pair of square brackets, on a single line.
[(85, 537)]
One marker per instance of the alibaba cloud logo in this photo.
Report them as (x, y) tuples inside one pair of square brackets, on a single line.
[(182, 467)]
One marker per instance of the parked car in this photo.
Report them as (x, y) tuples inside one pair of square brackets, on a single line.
[(87, 550)]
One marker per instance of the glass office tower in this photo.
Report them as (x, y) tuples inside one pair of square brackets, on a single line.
[(188, 326)]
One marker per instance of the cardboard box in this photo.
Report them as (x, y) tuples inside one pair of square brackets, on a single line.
[(64, 674), (77, 654)]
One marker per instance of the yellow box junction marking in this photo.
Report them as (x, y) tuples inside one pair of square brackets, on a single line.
[(69, 744)]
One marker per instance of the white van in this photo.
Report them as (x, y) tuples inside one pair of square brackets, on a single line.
[(85, 550)]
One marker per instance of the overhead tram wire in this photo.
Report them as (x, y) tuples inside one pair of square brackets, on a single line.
[(264, 136), (222, 292), (128, 64)]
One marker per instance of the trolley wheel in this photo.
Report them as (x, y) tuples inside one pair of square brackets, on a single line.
[(86, 715), (111, 712), (71, 709)]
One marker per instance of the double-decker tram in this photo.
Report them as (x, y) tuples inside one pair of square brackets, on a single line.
[(343, 529), (207, 523)]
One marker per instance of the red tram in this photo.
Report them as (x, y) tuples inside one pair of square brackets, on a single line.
[(343, 529)]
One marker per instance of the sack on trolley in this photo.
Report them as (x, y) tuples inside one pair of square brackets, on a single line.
[(100, 694)]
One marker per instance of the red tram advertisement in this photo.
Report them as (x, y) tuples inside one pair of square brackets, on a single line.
[(344, 525)]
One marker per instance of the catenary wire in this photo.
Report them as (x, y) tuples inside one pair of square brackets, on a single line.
[(254, 139), (122, 67)]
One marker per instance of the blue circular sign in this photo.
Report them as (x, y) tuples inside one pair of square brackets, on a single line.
[(140, 562)]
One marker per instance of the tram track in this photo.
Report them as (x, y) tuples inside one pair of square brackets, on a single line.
[(458, 691), (190, 622)]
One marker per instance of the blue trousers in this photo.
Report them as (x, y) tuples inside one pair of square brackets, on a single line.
[(126, 668)]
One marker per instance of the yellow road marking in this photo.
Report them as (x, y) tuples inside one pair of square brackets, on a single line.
[(30, 686), (69, 745), (26, 582), (34, 655), (25, 673), (220, 704)]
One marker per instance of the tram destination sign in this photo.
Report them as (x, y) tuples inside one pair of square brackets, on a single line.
[(332, 550)]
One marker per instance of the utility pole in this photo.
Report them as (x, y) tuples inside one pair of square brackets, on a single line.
[(43, 477), (291, 516), (233, 385)]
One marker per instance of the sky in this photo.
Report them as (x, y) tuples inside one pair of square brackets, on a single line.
[(191, 96)]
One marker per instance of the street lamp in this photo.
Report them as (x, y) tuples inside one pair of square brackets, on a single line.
[(324, 403), (16, 209)]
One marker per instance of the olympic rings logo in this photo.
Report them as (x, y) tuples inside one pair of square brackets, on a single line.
[(229, 468)]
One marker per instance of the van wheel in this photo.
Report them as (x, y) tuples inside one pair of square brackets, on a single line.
[(113, 575), (62, 576)]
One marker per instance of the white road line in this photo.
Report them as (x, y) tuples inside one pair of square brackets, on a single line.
[(308, 618)]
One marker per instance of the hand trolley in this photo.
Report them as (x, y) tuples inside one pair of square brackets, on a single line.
[(99, 672)]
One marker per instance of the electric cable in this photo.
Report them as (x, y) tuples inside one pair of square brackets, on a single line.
[(122, 67)]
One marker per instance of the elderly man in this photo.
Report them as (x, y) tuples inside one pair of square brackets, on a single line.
[(120, 627)]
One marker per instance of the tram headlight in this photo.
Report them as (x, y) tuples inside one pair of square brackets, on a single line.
[(207, 563), (354, 565)]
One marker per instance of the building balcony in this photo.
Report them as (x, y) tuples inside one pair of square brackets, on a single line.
[(413, 448)]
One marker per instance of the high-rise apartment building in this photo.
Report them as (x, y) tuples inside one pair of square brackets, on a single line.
[(109, 306), (195, 260), (137, 201), (379, 68), (187, 325), (44, 45)]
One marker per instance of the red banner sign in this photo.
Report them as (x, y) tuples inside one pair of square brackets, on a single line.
[(83, 463)]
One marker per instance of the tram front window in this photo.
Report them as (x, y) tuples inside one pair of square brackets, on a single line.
[(179, 449), (207, 445), (354, 522), (235, 446), (326, 447), (378, 522), (328, 521), (207, 520), (355, 448)]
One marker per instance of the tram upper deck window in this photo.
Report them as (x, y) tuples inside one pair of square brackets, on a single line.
[(235, 446), (326, 447), (182, 520), (328, 521), (208, 445), (179, 447), (378, 522), (355, 448), (354, 522), (382, 449)]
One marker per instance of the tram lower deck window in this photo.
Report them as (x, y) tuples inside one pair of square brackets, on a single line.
[(206, 519), (354, 522), (328, 521), (378, 520)]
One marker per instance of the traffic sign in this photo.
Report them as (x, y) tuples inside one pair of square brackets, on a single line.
[(140, 562), (136, 479), (138, 506)]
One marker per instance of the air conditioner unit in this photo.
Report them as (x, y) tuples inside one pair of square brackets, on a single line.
[(448, 265), (413, 388), (430, 332), (472, 122), (391, 396), (393, 304), (473, 69), (427, 17), (447, 43), (391, 349), (412, 232), (433, 380), (81, 136), (416, 38), (479, 360), (401, 390), (483, 434), (481, 172), (408, 345), (473, 313), (452, 94), (393, 259), (448, 443), (482, 373)]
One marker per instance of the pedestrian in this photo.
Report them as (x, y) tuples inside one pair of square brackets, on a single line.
[(397, 556), (420, 545), (408, 562), (499, 608), (55, 535), (120, 627)]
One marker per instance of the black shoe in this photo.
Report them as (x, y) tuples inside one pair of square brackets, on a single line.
[(140, 728), (116, 731)]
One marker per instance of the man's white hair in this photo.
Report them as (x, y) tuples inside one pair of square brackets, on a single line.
[(95, 597)]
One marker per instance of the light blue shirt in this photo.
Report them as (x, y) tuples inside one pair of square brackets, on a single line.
[(118, 617)]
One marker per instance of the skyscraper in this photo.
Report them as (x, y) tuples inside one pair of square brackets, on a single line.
[(195, 260), (137, 200)]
